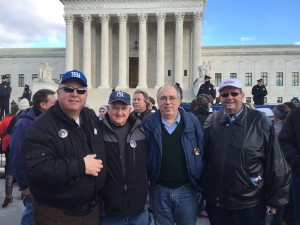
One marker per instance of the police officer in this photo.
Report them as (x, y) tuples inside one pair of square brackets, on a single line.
[(5, 90), (207, 88), (259, 92), (27, 93)]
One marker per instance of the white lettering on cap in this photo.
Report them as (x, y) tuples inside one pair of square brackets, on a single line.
[(75, 74), (120, 94)]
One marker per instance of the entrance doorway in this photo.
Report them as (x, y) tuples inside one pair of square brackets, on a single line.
[(133, 72)]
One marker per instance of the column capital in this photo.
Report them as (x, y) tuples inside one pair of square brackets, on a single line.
[(87, 18), (161, 17), (198, 16), (179, 17), (123, 18), (104, 18), (69, 19), (142, 17)]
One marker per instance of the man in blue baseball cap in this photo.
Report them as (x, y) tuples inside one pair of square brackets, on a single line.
[(74, 74), (69, 157), (126, 154)]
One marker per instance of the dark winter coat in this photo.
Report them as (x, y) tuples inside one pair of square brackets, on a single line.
[(244, 165)]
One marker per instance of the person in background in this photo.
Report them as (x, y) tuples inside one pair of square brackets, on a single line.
[(5, 91), (5, 137), (250, 105), (152, 104), (259, 92), (203, 104), (241, 179), (27, 93), (64, 158), (193, 105), (102, 112), (175, 141), (126, 187), (280, 112), (141, 104), (291, 105), (296, 101), (43, 99), (289, 140), (207, 88)]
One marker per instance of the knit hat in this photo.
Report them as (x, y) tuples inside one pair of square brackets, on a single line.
[(23, 104), (202, 101)]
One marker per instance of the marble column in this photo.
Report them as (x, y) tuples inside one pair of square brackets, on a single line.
[(160, 60), (104, 51), (69, 19), (122, 51), (87, 66), (179, 18), (142, 50), (197, 44)]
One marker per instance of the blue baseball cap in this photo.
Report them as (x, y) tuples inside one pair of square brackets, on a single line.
[(119, 96), (74, 74)]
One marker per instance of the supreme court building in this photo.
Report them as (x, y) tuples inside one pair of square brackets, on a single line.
[(129, 44)]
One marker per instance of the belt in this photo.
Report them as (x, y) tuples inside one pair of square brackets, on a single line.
[(81, 210)]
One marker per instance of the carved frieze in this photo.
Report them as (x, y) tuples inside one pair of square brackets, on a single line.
[(132, 6)]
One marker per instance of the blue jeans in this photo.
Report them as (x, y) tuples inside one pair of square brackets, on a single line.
[(27, 216), (170, 206), (296, 196), (139, 219)]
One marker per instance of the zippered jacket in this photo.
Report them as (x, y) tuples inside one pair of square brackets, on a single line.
[(244, 165), (192, 140), (53, 151), (125, 196)]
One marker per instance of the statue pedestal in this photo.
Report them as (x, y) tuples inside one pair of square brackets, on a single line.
[(43, 83)]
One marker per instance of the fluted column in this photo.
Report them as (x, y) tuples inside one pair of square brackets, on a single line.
[(69, 19), (142, 50), (104, 51), (122, 50), (179, 17), (197, 44), (160, 60), (87, 66)]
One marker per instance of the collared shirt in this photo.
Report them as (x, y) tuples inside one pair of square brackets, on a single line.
[(231, 119), (172, 127)]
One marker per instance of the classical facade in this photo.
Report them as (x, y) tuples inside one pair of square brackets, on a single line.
[(134, 44), (131, 44)]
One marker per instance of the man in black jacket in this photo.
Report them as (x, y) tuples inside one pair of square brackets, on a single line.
[(125, 189), (65, 159), (5, 90), (245, 170), (289, 140), (259, 92), (207, 88)]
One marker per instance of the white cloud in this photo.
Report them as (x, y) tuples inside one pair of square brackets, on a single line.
[(297, 43), (246, 38), (27, 22)]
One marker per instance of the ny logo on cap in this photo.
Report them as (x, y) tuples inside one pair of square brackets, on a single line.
[(75, 74), (120, 94)]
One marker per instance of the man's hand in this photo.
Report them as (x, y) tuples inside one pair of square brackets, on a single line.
[(26, 193), (271, 210), (92, 166)]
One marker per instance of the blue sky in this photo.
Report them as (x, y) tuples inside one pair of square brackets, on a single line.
[(251, 22), (225, 22)]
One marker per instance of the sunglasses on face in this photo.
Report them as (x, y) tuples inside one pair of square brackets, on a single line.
[(233, 94), (80, 90)]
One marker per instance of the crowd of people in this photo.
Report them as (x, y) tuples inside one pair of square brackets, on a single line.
[(135, 163)]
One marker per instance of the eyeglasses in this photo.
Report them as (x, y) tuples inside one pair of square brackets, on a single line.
[(233, 94), (80, 90), (165, 98)]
